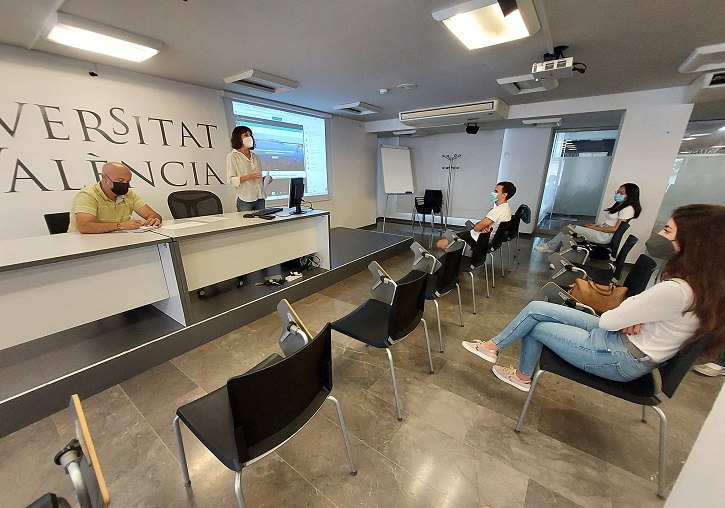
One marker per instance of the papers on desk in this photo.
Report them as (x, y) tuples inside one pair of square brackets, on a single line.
[(139, 230), (210, 218), (182, 225)]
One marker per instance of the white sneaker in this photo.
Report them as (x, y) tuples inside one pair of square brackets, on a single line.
[(543, 247), (508, 375), (710, 369), (551, 266)]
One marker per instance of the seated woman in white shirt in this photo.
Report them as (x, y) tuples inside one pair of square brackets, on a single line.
[(645, 330), (626, 207)]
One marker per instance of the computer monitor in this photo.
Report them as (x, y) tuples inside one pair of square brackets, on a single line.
[(296, 191)]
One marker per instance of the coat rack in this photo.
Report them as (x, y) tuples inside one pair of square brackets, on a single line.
[(450, 168)]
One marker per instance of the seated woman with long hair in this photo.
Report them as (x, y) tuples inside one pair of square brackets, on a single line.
[(645, 330), (626, 207)]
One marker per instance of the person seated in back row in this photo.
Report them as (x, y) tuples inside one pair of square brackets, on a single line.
[(501, 212), (626, 207), (107, 206)]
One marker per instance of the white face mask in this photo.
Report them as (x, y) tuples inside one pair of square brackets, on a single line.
[(248, 142)]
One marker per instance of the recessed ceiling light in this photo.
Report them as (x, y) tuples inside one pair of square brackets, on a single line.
[(700, 135), (688, 139), (481, 23), (718, 146), (407, 86)]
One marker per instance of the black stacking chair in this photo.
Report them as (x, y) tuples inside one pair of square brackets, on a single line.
[(512, 233), (431, 203), (603, 252), (598, 275), (257, 412), (614, 270), (479, 255), (635, 282), (194, 203), (494, 245), (57, 222), (445, 280), (382, 325), (649, 390), (638, 277)]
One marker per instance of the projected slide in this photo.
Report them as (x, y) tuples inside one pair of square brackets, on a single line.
[(290, 145)]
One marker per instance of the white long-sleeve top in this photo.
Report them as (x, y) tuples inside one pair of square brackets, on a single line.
[(661, 312), (238, 166)]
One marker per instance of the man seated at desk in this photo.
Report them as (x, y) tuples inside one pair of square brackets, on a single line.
[(107, 206)]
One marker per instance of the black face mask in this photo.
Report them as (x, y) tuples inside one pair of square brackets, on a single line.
[(660, 247), (120, 188)]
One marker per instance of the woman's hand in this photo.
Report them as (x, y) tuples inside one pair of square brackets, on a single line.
[(631, 330)]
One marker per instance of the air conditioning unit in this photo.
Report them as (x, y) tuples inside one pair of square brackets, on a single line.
[(476, 112), (709, 87)]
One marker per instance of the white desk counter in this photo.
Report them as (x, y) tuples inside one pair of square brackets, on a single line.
[(215, 251), (53, 283)]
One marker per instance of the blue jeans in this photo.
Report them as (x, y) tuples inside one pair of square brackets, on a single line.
[(575, 337), (245, 206)]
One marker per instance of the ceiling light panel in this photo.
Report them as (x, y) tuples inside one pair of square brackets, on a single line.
[(88, 35), (481, 23)]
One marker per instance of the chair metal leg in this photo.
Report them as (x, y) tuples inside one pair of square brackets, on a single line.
[(427, 341), (516, 254), (662, 480), (430, 242), (644, 414), (353, 469), (493, 270), (460, 307), (395, 385), (438, 317), (488, 291), (534, 380), (500, 253), (180, 451), (473, 289), (508, 250), (238, 489)]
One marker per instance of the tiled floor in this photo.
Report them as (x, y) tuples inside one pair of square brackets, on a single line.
[(455, 446)]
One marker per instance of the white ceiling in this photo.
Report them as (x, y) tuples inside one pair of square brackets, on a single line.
[(347, 50)]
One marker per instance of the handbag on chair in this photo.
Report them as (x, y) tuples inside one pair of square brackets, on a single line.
[(599, 297)]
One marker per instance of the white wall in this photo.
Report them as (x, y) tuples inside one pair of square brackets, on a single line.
[(190, 149), (524, 158), (353, 183), (648, 142), (471, 184)]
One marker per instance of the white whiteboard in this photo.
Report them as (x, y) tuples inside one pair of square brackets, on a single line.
[(397, 171)]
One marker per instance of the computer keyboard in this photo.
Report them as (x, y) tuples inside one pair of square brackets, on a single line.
[(266, 211)]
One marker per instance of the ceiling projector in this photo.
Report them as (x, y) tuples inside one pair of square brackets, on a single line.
[(554, 69)]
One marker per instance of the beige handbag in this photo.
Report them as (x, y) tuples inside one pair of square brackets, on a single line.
[(599, 297)]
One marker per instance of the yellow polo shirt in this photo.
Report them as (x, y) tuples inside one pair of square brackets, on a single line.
[(94, 201)]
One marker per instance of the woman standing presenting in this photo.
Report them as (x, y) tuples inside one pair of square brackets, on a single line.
[(645, 330), (244, 171), (626, 206)]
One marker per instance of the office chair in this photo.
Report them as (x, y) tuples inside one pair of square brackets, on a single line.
[(193, 203), (257, 412), (393, 312), (648, 390), (478, 258), (57, 222)]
